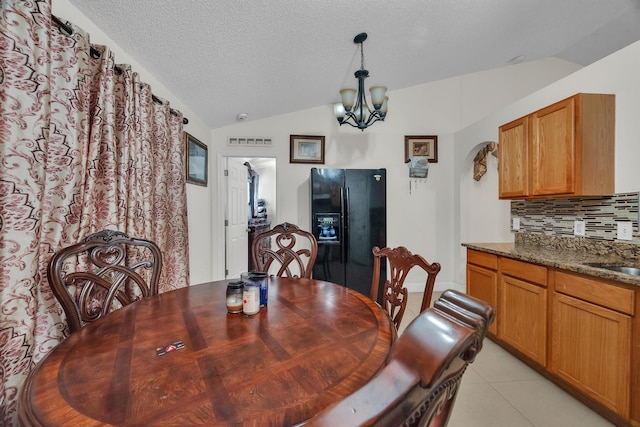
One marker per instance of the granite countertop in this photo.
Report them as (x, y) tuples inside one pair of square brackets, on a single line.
[(569, 254)]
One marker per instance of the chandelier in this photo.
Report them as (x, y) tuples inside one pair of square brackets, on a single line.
[(360, 115)]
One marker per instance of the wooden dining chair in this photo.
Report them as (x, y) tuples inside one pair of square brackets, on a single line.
[(394, 293), (105, 271), (419, 384), (285, 251)]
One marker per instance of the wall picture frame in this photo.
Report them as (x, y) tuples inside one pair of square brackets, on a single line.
[(421, 146), (306, 149), (196, 160)]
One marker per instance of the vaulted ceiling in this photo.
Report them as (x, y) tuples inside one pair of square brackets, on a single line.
[(270, 57)]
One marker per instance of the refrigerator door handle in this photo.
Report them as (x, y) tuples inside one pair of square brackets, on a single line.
[(345, 223)]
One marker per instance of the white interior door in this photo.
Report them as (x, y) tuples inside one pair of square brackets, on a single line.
[(237, 224)]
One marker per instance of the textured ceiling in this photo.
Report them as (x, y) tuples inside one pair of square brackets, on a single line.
[(271, 57)]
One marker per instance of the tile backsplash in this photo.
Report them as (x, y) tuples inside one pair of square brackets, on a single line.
[(556, 216)]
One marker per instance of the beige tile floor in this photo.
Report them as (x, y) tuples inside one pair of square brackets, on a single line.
[(500, 391)]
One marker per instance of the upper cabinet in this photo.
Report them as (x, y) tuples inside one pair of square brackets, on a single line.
[(565, 149)]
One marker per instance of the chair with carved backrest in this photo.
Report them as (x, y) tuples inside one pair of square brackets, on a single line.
[(394, 293), (285, 251), (105, 271), (419, 384)]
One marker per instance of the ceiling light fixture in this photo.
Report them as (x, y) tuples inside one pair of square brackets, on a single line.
[(356, 116)]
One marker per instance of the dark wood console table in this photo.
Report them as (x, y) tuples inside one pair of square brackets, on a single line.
[(254, 230)]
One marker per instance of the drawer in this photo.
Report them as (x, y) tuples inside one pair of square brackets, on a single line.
[(482, 259), (595, 291), (523, 270)]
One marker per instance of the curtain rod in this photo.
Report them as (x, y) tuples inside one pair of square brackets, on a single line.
[(171, 110), (95, 53)]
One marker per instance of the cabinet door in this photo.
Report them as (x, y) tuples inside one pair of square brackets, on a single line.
[(553, 149), (591, 349), (523, 317), (482, 283), (512, 159)]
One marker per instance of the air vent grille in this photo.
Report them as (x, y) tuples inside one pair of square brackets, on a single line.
[(249, 141)]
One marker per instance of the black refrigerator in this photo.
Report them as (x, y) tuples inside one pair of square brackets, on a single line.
[(349, 218)]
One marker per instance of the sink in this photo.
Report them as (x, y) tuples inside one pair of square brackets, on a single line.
[(634, 271)]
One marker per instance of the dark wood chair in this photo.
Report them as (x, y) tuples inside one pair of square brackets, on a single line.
[(394, 293), (285, 251), (420, 382), (105, 271)]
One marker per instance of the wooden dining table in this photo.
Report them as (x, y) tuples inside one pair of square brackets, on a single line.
[(313, 344)]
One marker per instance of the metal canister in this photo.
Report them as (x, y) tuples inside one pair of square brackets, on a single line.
[(234, 296)]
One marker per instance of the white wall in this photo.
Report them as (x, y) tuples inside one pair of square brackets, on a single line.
[(198, 197), (424, 219), (481, 216)]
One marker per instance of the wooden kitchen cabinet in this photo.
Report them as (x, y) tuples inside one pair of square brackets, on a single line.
[(523, 308), (513, 161), (565, 149), (581, 330), (591, 338), (482, 280)]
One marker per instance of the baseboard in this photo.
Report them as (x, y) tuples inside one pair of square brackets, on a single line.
[(440, 286)]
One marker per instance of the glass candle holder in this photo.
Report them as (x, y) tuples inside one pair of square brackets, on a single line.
[(250, 298), (234, 296), (261, 280)]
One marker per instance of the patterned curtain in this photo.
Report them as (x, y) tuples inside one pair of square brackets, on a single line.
[(84, 146)]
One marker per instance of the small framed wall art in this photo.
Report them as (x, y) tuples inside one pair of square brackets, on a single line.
[(197, 160), (421, 146), (306, 149)]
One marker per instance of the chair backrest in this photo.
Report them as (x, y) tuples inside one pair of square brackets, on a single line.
[(419, 384), (285, 251), (105, 271), (394, 293)]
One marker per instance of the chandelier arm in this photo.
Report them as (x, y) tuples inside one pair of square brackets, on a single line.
[(374, 117), (347, 122), (351, 115)]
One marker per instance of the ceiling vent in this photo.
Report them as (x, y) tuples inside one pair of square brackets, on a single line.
[(249, 142)]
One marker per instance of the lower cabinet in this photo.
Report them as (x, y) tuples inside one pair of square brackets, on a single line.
[(523, 308), (591, 344), (582, 330), (523, 319), (482, 280)]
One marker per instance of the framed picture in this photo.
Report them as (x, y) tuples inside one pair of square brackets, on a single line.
[(421, 146), (306, 149), (197, 160)]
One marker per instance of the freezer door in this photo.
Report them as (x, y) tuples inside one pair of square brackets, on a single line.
[(327, 207), (366, 225), (326, 190)]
